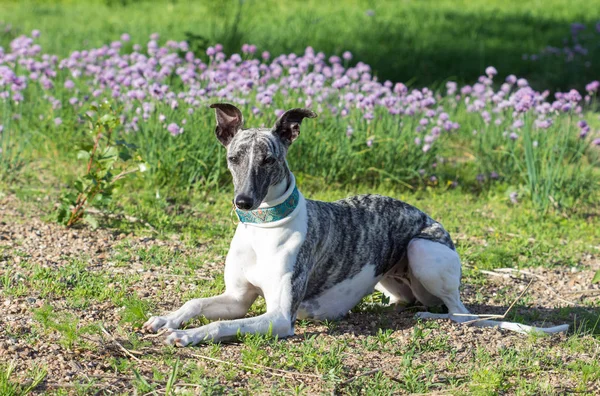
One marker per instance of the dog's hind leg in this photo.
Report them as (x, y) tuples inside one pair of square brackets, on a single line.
[(435, 272), (394, 284)]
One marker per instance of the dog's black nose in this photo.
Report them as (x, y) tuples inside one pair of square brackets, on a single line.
[(244, 202)]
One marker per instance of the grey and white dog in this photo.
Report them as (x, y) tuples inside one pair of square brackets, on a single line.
[(313, 259)]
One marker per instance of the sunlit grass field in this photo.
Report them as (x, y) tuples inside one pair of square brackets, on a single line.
[(421, 42), (511, 171)]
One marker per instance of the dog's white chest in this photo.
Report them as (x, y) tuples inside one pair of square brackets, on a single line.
[(270, 252)]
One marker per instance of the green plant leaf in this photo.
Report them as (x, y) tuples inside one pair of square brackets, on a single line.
[(124, 155), (62, 214), (596, 278), (110, 153), (84, 155), (89, 219)]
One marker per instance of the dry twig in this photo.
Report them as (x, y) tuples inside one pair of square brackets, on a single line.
[(127, 352), (274, 371), (485, 317), (510, 271)]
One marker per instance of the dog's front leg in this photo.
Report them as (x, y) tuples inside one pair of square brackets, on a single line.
[(283, 291), (278, 323), (232, 304), (224, 306)]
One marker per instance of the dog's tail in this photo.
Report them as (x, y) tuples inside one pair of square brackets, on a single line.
[(518, 327), (467, 318)]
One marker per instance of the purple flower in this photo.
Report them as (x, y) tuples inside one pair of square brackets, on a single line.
[(125, 37), (266, 55), (174, 129), (480, 178), (154, 36), (511, 79), (426, 147), (491, 71), (494, 175), (349, 130), (595, 142), (451, 87), (35, 33), (57, 121), (370, 13), (518, 124), (522, 83), (573, 96), (582, 124), (400, 89), (369, 142), (69, 84), (543, 124), (513, 197), (347, 55), (210, 51), (576, 28), (162, 118), (486, 116), (513, 136), (334, 59)]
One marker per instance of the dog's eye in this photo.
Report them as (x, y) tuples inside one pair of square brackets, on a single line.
[(233, 159), (269, 161)]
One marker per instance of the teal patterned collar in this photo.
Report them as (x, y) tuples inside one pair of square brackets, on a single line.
[(270, 214)]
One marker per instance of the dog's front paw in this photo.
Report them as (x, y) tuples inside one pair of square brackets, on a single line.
[(180, 338), (156, 323)]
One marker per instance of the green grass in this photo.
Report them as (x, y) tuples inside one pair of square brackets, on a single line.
[(188, 198), (439, 39), (10, 387), (419, 357)]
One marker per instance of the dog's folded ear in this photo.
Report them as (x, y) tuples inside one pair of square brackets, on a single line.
[(287, 126), (229, 121)]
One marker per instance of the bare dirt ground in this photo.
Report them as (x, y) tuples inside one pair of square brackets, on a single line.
[(119, 358)]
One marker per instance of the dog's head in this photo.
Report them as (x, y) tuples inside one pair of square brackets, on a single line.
[(256, 156)]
